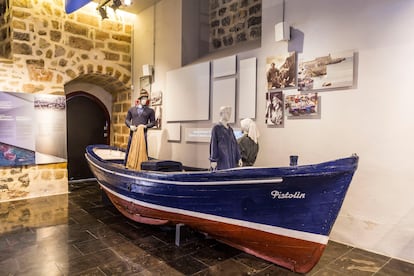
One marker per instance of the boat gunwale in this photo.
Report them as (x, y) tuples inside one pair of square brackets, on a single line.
[(338, 166)]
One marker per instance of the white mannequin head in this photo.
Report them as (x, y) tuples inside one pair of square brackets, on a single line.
[(143, 101), (245, 125), (248, 126), (225, 113)]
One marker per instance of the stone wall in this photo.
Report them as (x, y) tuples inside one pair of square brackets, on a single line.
[(33, 181), (5, 47), (119, 111), (234, 21), (50, 48)]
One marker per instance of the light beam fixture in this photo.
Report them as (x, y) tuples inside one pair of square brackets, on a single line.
[(115, 5), (127, 2), (102, 12)]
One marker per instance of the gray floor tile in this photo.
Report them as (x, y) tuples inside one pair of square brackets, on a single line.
[(88, 237)]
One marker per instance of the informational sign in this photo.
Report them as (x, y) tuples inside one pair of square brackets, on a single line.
[(203, 135), (32, 129)]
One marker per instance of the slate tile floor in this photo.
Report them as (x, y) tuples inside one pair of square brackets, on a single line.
[(78, 234)]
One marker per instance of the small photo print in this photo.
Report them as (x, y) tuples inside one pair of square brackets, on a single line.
[(281, 71), (302, 106), (156, 98), (274, 109), (158, 116)]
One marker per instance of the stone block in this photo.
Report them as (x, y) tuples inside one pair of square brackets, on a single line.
[(76, 29), (112, 56), (123, 38), (55, 36), (18, 25), (99, 35), (87, 19), (118, 47), (22, 48), (23, 4), (80, 43)]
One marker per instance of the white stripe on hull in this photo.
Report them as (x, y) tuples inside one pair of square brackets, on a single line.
[(321, 239), (252, 181)]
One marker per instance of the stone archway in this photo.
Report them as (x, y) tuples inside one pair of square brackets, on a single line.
[(115, 96)]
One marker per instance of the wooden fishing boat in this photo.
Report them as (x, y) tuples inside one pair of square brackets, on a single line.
[(282, 214)]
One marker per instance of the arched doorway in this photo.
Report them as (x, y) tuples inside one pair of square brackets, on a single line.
[(88, 123)]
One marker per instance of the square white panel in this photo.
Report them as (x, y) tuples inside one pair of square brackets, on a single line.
[(224, 94), (224, 66)]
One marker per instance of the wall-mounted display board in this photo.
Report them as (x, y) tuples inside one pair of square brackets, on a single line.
[(247, 88), (174, 132), (224, 94), (328, 72), (203, 135), (188, 93), (224, 66), (32, 129)]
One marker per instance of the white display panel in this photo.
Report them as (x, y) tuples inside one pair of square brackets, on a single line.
[(247, 91), (188, 93), (224, 66), (174, 132), (224, 94)]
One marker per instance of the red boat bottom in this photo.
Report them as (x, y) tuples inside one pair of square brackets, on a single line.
[(293, 253)]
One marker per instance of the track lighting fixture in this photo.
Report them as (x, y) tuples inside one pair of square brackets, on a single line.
[(102, 12), (115, 5)]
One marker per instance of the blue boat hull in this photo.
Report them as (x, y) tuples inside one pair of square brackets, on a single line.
[(267, 212)]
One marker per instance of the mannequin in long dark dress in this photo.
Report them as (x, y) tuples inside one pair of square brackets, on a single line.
[(224, 150)]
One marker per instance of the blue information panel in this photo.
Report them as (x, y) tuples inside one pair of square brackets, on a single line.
[(32, 129)]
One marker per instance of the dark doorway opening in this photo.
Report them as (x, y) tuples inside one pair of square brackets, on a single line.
[(87, 124)]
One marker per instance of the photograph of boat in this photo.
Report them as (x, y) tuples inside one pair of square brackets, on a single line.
[(335, 70), (280, 214)]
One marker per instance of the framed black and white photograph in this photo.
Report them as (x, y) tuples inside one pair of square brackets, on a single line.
[(158, 116), (156, 98), (281, 71), (334, 70), (274, 109)]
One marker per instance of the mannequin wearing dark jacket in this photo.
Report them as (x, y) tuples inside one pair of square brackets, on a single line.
[(224, 151), (249, 146), (139, 115)]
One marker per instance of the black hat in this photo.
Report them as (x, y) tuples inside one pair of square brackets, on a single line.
[(143, 93)]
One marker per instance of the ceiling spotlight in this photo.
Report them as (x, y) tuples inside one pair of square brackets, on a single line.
[(102, 12), (127, 2)]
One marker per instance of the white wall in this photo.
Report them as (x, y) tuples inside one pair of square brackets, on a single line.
[(374, 119)]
